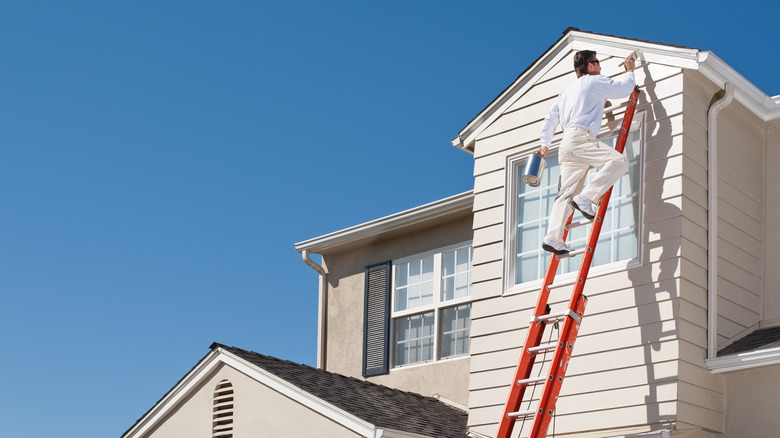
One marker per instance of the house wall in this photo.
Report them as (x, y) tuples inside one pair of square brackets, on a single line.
[(751, 403), (257, 409), (624, 374), (771, 302), (346, 282)]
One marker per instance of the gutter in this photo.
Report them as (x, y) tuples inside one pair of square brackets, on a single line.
[(321, 309), (712, 219)]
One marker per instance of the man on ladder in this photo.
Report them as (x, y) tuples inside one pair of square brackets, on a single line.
[(579, 110)]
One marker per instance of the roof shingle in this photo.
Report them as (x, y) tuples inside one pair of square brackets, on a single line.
[(379, 405)]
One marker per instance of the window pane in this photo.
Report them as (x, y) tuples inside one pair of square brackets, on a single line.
[(414, 284), (617, 240), (456, 274), (413, 339), (455, 327)]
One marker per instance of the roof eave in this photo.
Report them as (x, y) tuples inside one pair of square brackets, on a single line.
[(392, 222), (765, 107), (743, 361), (755, 100)]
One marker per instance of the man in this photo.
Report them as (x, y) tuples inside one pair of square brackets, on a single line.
[(579, 110)]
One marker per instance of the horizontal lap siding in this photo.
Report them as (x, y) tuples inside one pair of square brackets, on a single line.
[(701, 393), (740, 221), (623, 373)]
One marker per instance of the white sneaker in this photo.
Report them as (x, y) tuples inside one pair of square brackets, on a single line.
[(584, 206), (557, 248)]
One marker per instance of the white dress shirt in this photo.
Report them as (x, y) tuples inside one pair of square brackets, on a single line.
[(582, 103)]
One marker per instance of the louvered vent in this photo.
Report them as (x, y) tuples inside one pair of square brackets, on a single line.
[(222, 420)]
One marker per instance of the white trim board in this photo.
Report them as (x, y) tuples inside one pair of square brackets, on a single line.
[(205, 368), (392, 222), (765, 107), (744, 361)]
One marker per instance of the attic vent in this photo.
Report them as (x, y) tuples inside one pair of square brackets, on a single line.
[(222, 419)]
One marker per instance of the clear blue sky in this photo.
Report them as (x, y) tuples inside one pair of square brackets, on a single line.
[(159, 159)]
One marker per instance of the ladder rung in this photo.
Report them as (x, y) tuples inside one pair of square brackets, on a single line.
[(571, 254), (532, 381), (543, 347), (556, 316), (518, 414), (580, 223)]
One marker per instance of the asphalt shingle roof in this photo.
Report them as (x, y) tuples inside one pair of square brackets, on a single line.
[(379, 405), (758, 340)]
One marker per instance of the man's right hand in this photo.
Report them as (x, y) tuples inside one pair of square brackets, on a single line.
[(542, 152), (630, 62)]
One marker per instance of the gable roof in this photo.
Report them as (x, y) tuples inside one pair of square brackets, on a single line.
[(364, 407), (573, 39), (379, 405)]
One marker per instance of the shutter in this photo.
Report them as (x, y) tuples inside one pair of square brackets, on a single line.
[(376, 330)]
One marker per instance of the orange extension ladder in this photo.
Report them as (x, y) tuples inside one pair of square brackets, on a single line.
[(571, 317)]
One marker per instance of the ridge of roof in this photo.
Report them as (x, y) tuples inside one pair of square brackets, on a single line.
[(377, 404)]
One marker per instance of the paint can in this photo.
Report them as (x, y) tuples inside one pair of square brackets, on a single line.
[(532, 173)]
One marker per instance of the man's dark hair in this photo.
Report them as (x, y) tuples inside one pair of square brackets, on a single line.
[(581, 60)]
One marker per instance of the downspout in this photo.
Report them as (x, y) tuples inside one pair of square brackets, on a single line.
[(321, 308), (712, 219)]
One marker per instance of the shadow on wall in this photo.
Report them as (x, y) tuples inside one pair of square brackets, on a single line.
[(650, 288)]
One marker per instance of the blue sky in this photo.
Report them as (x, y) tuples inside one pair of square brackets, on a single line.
[(158, 160)]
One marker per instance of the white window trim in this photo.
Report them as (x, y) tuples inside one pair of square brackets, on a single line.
[(435, 307), (513, 161)]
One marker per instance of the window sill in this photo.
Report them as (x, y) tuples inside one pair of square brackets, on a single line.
[(422, 364), (570, 277)]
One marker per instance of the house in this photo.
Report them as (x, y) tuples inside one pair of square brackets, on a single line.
[(680, 335)]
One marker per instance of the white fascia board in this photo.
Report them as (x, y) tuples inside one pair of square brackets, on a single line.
[(654, 434), (298, 395), (575, 41), (178, 393), (650, 52), (743, 361), (395, 221), (759, 103), (203, 371), (468, 135), (392, 433)]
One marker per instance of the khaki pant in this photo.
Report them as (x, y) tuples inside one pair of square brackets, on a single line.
[(578, 153)]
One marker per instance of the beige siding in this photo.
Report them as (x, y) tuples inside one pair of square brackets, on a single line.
[(771, 290), (740, 204), (623, 375)]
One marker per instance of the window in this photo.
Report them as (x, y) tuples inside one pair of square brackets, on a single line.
[(529, 209), (431, 312), (222, 410)]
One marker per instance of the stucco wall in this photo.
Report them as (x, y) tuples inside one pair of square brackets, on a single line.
[(346, 282), (258, 411), (752, 402)]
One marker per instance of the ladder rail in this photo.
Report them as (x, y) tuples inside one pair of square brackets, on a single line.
[(571, 325), (533, 338)]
